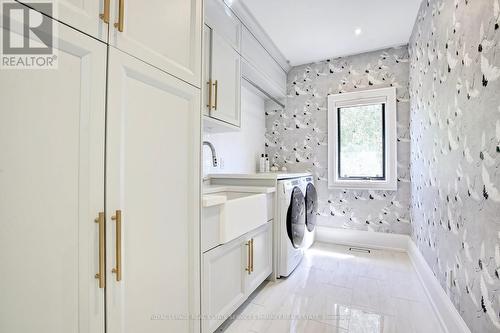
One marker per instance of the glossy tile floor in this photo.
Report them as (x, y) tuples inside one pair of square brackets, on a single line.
[(337, 290)]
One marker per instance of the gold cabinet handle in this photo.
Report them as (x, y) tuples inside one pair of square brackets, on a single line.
[(215, 100), (118, 221), (209, 105), (249, 257), (105, 15), (101, 276), (121, 13)]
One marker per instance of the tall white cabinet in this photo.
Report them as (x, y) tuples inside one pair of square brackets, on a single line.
[(152, 138), (100, 180), (51, 190)]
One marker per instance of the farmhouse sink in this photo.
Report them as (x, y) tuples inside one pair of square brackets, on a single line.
[(238, 212)]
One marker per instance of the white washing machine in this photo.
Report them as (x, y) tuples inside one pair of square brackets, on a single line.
[(296, 222)]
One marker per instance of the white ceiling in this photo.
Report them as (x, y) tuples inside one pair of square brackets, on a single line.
[(311, 30)]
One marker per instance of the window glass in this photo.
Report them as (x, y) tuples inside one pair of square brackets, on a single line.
[(361, 142)]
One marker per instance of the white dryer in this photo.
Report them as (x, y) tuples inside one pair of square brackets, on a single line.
[(311, 202)]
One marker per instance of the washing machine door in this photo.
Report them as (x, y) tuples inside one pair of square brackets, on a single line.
[(311, 207), (296, 218)]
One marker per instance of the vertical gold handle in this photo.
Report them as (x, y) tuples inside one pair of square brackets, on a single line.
[(121, 13), (209, 105), (105, 15), (101, 276), (118, 221), (249, 257), (215, 100)]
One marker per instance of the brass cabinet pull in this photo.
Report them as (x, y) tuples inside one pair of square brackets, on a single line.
[(121, 13), (249, 257), (105, 15), (215, 100), (101, 276), (209, 105), (118, 221)]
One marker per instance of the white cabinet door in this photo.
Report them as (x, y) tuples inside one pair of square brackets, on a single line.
[(223, 286), (52, 189), (261, 257), (226, 79), (165, 34), (83, 15), (207, 70), (152, 176), (221, 18)]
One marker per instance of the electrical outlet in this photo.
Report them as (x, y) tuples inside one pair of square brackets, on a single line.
[(221, 163), (450, 279)]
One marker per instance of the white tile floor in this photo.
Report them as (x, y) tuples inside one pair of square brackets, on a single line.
[(337, 290)]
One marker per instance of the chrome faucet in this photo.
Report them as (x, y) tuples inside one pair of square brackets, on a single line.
[(214, 154)]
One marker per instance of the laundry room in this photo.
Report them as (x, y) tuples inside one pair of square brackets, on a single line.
[(250, 166)]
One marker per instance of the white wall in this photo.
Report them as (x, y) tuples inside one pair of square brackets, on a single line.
[(238, 151)]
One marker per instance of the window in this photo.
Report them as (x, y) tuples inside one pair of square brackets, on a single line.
[(362, 140)]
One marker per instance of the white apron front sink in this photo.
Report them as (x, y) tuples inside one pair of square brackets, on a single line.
[(239, 212)]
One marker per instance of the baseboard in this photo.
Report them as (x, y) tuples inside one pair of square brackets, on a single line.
[(360, 238), (450, 319)]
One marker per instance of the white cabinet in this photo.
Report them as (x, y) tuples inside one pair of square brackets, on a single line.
[(267, 71), (223, 84), (165, 34), (231, 272), (84, 15), (152, 178), (261, 257), (206, 71), (224, 282), (96, 132), (51, 190), (222, 19)]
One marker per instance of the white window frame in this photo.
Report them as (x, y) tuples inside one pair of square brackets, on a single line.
[(359, 98)]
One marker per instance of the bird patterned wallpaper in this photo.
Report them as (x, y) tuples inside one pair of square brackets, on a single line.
[(455, 152), (296, 136)]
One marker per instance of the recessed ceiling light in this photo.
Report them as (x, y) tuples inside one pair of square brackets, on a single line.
[(358, 31)]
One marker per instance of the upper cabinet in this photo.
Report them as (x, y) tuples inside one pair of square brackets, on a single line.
[(222, 66), (88, 16), (165, 34), (232, 53), (260, 67), (220, 18), (223, 83)]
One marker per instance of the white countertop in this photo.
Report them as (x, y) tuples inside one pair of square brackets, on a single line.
[(264, 175)]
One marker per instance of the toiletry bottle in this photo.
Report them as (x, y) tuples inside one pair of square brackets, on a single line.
[(262, 163), (267, 165)]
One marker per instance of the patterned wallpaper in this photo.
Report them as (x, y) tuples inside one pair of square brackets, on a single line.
[(455, 152), (297, 136)]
